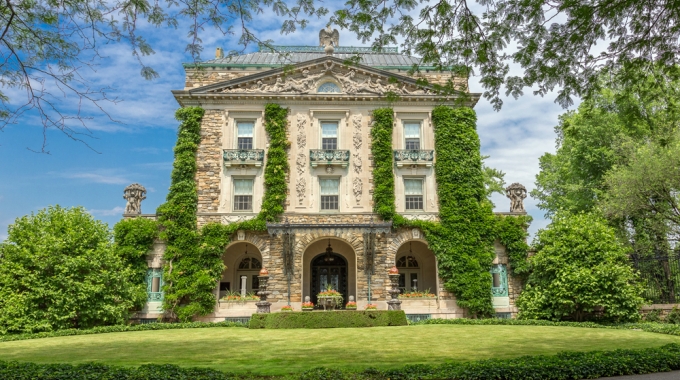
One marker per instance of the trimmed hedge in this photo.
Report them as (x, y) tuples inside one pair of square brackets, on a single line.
[(119, 328), (321, 320), (567, 365)]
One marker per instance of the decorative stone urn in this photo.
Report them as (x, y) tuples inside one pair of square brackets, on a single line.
[(263, 306), (394, 303)]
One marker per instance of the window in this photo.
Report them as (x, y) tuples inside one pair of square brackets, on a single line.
[(408, 273), (413, 192), (328, 87), (154, 284), (499, 276), (329, 135), (243, 194), (329, 193), (412, 135), (249, 267), (244, 131)]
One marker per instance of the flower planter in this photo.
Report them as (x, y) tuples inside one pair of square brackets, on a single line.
[(308, 309)]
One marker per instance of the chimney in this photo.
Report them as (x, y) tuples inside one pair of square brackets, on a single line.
[(219, 53)]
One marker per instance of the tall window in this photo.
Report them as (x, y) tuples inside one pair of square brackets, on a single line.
[(243, 194), (413, 192), (329, 135), (499, 277), (412, 135), (154, 284), (408, 273), (329, 193), (245, 134)]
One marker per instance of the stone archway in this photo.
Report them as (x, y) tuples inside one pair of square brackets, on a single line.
[(344, 265), (417, 267), (241, 259)]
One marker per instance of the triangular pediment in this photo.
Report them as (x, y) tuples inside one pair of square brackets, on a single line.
[(322, 76)]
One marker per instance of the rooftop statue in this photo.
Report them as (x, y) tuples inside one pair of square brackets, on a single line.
[(329, 38), (516, 192), (134, 194)]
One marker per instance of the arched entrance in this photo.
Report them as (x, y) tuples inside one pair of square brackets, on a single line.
[(329, 270), (417, 267), (241, 259)]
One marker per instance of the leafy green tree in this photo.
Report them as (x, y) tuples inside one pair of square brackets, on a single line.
[(58, 270), (580, 268)]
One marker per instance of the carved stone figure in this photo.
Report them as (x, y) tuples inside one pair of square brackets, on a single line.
[(357, 189), (416, 233), (240, 235), (328, 37), (516, 193), (300, 188), (134, 194)]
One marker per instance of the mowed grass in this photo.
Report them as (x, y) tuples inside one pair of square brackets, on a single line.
[(280, 352)]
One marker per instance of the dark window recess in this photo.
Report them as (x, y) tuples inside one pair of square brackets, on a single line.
[(329, 143), (243, 202), (496, 280), (414, 202), (413, 144), (329, 202), (225, 286)]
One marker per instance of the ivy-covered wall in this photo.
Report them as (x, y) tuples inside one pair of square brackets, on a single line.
[(463, 239)]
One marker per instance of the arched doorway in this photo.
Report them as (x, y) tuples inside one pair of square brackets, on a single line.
[(241, 259), (417, 267), (329, 270), (338, 258)]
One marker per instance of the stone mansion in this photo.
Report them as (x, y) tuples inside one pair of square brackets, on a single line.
[(329, 206)]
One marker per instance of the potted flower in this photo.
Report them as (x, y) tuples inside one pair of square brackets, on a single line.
[(307, 306), (287, 309), (330, 297), (351, 305), (371, 306)]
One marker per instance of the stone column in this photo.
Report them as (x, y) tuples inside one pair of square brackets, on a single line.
[(394, 303), (263, 306), (244, 285)]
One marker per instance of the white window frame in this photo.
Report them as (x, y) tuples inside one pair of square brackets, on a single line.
[(339, 179), (422, 180), (420, 132), (337, 132), (244, 120), (233, 194)]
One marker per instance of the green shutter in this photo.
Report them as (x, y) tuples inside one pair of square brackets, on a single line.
[(502, 289), (151, 274)]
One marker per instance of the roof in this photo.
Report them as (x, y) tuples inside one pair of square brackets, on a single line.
[(290, 55)]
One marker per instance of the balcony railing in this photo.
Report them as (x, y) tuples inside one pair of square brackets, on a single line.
[(253, 157), (413, 157), (329, 157)]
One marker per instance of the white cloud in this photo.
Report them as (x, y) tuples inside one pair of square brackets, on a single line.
[(112, 212), (108, 177)]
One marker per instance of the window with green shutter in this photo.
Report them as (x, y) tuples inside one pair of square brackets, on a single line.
[(499, 287), (154, 284)]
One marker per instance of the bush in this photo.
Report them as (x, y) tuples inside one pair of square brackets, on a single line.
[(580, 271), (59, 271), (319, 320), (673, 316), (653, 316)]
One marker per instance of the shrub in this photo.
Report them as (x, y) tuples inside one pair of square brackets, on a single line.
[(653, 316), (299, 320), (580, 271), (674, 316), (59, 270)]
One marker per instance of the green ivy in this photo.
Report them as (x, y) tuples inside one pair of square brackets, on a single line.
[(194, 258), (383, 177), (511, 231)]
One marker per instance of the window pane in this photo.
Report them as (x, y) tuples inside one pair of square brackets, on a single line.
[(496, 280), (413, 187), (245, 129), (155, 284), (414, 202), (329, 186), (243, 187), (243, 202), (329, 143), (256, 282), (329, 129), (329, 202), (412, 130), (245, 143), (413, 144)]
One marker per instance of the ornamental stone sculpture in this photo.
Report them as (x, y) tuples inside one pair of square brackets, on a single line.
[(516, 193), (329, 38), (134, 194)]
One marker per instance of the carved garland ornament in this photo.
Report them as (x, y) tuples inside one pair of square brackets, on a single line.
[(357, 189)]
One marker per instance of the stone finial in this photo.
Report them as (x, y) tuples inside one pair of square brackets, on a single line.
[(329, 38), (134, 194), (219, 53), (516, 192)]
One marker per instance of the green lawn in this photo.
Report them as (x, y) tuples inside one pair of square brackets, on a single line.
[(278, 352)]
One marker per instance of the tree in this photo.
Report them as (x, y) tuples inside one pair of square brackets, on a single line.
[(58, 270), (579, 270), (602, 133), (46, 44)]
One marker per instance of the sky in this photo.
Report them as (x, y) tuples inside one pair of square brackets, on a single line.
[(135, 143)]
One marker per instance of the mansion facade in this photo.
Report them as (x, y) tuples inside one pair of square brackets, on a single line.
[(329, 206)]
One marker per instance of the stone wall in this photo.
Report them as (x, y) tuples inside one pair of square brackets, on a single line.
[(209, 162)]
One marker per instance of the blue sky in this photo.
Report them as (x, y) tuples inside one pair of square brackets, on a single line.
[(139, 147)]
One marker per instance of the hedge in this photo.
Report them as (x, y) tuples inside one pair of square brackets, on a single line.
[(320, 320), (566, 365), (119, 328)]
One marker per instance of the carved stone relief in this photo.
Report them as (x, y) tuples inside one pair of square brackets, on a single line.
[(516, 192), (300, 188), (356, 120), (301, 163), (301, 135), (134, 195), (226, 219), (357, 189), (240, 235), (425, 217), (356, 161), (416, 233)]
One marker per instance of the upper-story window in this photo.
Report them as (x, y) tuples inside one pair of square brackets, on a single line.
[(330, 191), (328, 87), (413, 193), (244, 132), (243, 194), (412, 135), (329, 135)]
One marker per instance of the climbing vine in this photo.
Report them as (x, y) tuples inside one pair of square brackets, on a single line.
[(511, 231), (463, 239), (193, 257)]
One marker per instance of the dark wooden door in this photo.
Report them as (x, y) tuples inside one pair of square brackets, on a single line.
[(329, 269)]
